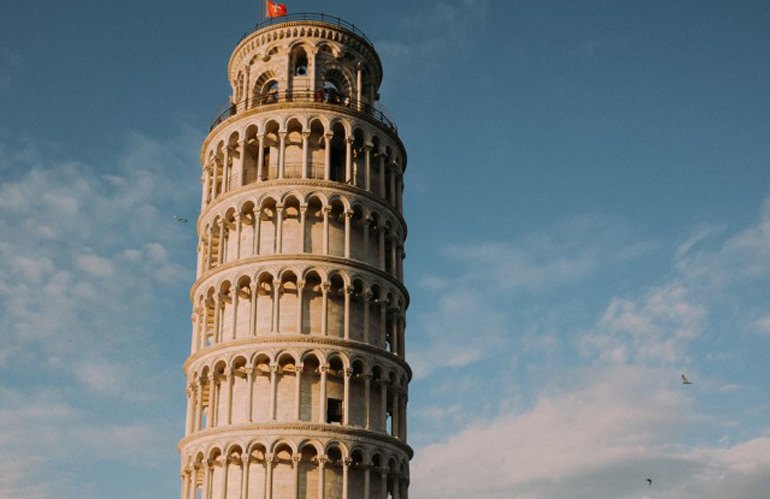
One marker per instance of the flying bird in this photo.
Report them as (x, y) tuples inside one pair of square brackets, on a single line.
[(649, 481), (181, 220), (686, 381)]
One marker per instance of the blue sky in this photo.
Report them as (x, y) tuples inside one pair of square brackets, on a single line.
[(588, 198)]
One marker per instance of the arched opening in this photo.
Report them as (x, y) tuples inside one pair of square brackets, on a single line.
[(335, 391), (314, 226), (294, 150), (338, 153), (270, 145), (356, 474), (287, 383), (357, 311), (357, 416), (265, 297), (240, 395), (261, 389), (283, 472), (337, 228), (358, 159), (336, 307), (256, 471), (269, 92), (358, 248), (308, 473), (291, 230), (268, 221), (312, 297), (311, 389), (317, 150), (333, 471), (251, 155), (287, 322)]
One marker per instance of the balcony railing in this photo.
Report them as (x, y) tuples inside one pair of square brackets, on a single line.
[(308, 16), (319, 97)]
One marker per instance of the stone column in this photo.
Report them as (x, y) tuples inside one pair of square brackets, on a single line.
[(273, 390), (382, 175), (346, 408), (326, 212), (295, 460), (221, 256), (322, 460), (368, 401), (236, 291), (190, 409), (328, 156), (205, 179), (214, 179), (367, 482), (281, 154), (382, 247), (225, 469), (257, 230), (394, 410), (325, 286), (238, 232), (226, 170), (210, 248), (368, 167), (322, 404), (384, 405), (250, 384), (253, 312), (245, 465), (347, 291), (305, 153), (278, 242), (207, 479), (348, 221), (383, 322), (212, 400), (261, 158), (348, 160), (302, 224), (367, 297), (345, 477), (300, 297), (276, 306), (367, 224), (199, 408), (230, 378), (242, 163), (298, 392), (269, 459), (384, 482)]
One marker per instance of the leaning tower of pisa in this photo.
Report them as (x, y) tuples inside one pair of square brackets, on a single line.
[(297, 379)]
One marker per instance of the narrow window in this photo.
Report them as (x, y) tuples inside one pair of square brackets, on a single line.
[(334, 411)]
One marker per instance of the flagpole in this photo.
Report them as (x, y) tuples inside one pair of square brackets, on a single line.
[(261, 9)]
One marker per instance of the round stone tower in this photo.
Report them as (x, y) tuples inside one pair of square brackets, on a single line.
[(297, 379)]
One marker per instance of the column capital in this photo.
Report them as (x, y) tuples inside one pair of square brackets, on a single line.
[(349, 213), (300, 284), (273, 368), (323, 459), (323, 369), (270, 458), (326, 209), (305, 134), (303, 208), (348, 372), (347, 462), (326, 286), (296, 460), (328, 135)]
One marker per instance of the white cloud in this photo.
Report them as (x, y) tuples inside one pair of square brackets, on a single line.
[(599, 437)]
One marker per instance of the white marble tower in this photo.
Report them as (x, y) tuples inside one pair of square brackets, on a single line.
[(297, 381)]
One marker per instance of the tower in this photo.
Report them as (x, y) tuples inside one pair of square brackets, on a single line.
[(297, 380)]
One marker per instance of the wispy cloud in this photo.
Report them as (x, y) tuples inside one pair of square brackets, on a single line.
[(89, 263)]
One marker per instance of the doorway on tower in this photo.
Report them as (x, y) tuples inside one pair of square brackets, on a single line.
[(334, 411)]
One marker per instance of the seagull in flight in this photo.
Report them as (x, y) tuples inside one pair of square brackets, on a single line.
[(181, 220), (649, 481), (686, 381)]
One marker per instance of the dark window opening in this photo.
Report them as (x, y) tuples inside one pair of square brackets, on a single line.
[(334, 411)]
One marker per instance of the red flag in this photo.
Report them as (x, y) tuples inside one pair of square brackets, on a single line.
[(275, 9)]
